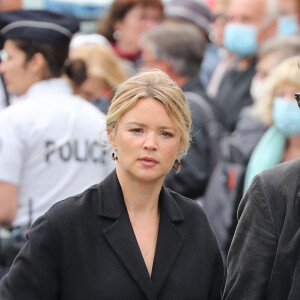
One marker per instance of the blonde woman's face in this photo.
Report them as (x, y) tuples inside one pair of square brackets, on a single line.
[(146, 141), (286, 90)]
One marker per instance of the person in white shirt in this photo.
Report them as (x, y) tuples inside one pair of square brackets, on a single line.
[(51, 143)]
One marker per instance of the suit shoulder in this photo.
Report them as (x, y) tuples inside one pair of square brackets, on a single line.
[(187, 205), (276, 187), (283, 172), (74, 205)]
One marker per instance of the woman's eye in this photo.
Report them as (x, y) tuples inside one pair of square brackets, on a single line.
[(167, 134), (137, 130)]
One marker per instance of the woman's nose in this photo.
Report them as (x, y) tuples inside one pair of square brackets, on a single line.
[(150, 142)]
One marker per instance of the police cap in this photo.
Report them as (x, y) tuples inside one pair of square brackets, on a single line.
[(38, 25)]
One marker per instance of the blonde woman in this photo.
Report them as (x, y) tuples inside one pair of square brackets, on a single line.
[(128, 237), (95, 71), (277, 109)]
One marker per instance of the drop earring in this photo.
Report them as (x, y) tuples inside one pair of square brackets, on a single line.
[(117, 35), (114, 156), (177, 165)]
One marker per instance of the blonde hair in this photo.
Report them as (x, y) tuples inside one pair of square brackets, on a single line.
[(101, 63), (157, 85), (287, 71)]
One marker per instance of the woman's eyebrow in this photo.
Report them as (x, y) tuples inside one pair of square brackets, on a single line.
[(144, 125), (135, 123)]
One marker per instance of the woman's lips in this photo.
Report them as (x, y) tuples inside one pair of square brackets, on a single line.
[(148, 161)]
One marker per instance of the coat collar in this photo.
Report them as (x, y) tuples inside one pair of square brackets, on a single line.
[(112, 205), (122, 240)]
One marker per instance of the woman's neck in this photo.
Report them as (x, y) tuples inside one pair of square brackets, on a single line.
[(140, 197), (126, 51)]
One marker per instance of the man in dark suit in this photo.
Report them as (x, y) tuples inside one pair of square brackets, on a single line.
[(263, 261)]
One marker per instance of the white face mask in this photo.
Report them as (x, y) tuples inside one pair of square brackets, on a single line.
[(256, 87)]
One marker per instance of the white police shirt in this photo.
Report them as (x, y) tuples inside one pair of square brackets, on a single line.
[(2, 96), (51, 147)]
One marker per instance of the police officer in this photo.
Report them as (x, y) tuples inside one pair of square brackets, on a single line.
[(6, 5), (50, 143)]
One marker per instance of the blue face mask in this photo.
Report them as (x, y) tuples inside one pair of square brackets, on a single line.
[(241, 39), (286, 116), (288, 25)]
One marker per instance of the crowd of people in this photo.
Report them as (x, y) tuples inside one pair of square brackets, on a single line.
[(156, 158)]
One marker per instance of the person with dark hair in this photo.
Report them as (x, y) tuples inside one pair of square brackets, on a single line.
[(6, 5), (50, 146), (128, 237), (124, 25)]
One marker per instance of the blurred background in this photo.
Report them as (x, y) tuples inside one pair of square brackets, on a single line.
[(88, 11)]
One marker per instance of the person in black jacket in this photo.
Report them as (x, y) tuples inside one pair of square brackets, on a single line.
[(128, 237), (263, 261)]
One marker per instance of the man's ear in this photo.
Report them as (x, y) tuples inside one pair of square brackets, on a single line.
[(37, 63)]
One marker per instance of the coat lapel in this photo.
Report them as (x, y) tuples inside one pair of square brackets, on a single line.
[(122, 240), (120, 235), (169, 240)]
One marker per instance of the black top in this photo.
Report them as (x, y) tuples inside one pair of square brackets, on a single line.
[(264, 258), (85, 248)]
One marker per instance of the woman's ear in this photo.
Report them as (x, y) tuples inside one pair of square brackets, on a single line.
[(117, 25), (112, 138), (180, 150)]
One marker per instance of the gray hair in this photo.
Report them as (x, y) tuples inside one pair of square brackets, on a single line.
[(285, 46), (182, 45)]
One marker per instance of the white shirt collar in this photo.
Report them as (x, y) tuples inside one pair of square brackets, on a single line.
[(48, 87)]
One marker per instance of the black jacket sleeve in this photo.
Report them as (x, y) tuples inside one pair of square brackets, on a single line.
[(34, 273), (253, 249)]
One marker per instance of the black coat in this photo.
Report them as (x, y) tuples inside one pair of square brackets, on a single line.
[(85, 248), (264, 258)]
